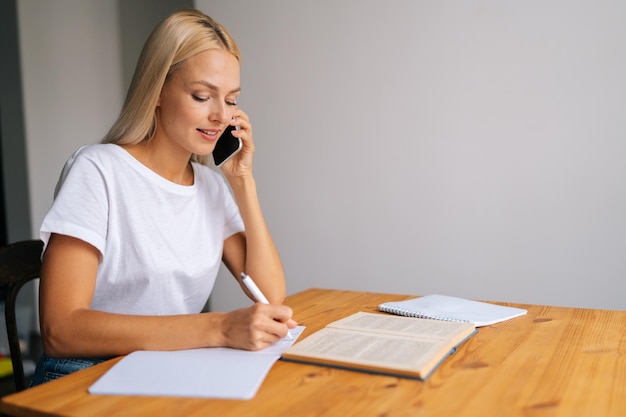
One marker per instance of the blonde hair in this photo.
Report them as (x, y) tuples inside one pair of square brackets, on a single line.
[(180, 36)]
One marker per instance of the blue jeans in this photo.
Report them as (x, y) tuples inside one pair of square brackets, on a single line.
[(49, 368)]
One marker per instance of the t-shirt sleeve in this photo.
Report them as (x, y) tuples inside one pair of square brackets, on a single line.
[(232, 217), (80, 207)]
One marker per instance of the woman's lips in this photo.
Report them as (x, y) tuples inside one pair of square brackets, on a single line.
[(209, 134)]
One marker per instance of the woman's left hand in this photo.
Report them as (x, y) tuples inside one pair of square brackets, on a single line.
[(241, 163)]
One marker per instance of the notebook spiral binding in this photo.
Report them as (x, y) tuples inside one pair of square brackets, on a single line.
[(410, 313)]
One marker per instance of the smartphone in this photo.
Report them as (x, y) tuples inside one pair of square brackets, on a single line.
[(226, 146)]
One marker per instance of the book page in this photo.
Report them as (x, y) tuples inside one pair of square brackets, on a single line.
[(368, 348), (406, 326)]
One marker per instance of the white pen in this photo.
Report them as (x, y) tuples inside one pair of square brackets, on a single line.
[(256, 293)]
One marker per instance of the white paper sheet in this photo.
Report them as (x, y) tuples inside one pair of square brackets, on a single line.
[(209, 373)]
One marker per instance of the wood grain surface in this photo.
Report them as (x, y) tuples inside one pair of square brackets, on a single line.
[(554, 361)]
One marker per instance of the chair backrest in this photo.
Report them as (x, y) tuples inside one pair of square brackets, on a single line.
[(19, 263)]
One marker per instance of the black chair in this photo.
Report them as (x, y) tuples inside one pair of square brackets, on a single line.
[(19, 263)]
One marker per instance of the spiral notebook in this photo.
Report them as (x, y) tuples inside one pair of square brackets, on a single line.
[(444, 307)]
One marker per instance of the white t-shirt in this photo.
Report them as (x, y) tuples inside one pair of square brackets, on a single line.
[(160, 243)]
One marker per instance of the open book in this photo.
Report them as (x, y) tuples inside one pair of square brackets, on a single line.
[(379, 343)]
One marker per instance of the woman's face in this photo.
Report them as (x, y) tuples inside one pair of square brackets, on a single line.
[(198, 101)]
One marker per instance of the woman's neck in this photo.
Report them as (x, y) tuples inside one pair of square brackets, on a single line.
[(163, 162)]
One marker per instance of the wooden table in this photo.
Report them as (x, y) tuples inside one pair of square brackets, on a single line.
[(553, 361)]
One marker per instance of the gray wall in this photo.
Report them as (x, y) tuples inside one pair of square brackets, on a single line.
[(72, 83), (468, 148), (14, 169), (15, 182), (473, 148)]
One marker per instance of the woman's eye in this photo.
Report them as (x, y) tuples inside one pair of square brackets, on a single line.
[(200, 99), (231, 103)]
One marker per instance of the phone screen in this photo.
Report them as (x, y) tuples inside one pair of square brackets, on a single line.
[(227, 145)]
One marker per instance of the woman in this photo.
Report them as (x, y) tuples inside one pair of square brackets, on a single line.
[(139, 225)]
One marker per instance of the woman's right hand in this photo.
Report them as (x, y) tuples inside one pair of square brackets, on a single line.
[(256, 327)]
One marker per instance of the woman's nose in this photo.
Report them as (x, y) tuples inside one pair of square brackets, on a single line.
[(220, 113)]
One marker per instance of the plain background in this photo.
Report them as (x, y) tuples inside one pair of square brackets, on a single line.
[(470, 148)]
